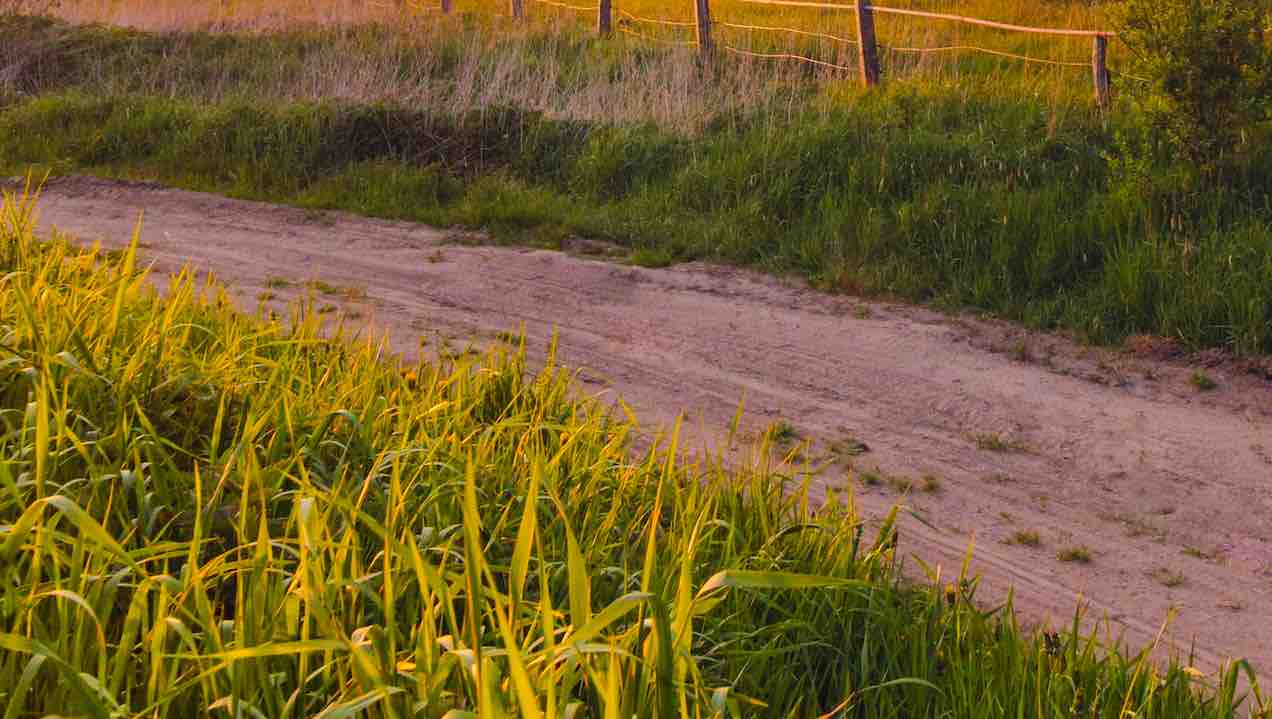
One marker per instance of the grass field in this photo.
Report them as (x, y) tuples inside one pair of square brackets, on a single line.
[(206, 512), (894, 31), (202, 512), (997, 187)]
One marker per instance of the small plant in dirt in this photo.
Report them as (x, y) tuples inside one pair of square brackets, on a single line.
[(848, 446), (1020, 352), (870, 478), (994, 442), (901, 484), (1077, 554), (1140, 526), (783, 432), (1025, 538), (1202, 381), (1167, 577), (347, 292)]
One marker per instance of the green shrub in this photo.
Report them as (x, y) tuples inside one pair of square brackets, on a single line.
[(1208, 66)]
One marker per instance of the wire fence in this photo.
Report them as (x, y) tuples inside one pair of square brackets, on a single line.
[(654, 21), (566, 6), (868, 47), (651, 38)]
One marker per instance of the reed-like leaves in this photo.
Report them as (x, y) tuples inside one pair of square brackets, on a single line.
[(206, 513)]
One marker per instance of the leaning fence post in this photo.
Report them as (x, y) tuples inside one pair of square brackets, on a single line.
[(702, 14), (869, 55), (518, 8), (1100, 70), (604, 17)]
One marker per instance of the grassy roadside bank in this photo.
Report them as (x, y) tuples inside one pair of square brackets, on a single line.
[(965, 195), (248, 517)]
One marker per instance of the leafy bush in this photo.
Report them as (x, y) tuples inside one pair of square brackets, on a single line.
[(1208, 65)]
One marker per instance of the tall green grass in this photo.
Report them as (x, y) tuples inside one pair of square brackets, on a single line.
[(207, 513)]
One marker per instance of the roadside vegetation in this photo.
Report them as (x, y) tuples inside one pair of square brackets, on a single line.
[(968, 182), (205, 512)]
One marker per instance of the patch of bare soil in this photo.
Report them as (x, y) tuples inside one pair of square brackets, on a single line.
[(1157, 492)]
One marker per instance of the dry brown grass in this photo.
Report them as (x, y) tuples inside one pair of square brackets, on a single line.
[(414, 63), (174, 14), (894, 31), (259, 15), (448, 65)]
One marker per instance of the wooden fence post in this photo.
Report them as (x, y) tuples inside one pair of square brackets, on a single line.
[(604, 17), (702, 14), (869, 55), (518, 8), (1100, 70)]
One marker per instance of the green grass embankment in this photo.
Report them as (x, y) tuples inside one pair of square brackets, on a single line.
[(968, 195)]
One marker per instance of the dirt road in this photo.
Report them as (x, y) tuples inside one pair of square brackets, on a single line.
[(1168, 487)]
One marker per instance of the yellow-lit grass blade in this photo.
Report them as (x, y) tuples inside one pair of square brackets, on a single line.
[(580, 585), (98, 703), (125, 274), (474, 598), (87, 526), (18, 693), (525, 539)]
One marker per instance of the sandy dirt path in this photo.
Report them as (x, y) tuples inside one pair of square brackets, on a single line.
[(1168, 487)]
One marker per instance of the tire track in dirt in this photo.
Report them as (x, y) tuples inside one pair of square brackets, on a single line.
[(1170, 489)]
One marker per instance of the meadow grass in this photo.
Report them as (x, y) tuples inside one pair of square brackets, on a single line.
[(737, 23), (991, 186), (204, 512)]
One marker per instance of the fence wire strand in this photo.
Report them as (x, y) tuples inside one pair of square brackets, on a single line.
[(565, 6), (983, 23), (1129, 77), (785, 56), (655, 21), (987, 51), (624, 26), (651, 38), (936, 16), (836, 38)]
